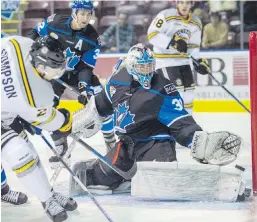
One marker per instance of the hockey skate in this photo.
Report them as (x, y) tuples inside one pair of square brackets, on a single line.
[(66, 202), (14, 197), (54, 210)]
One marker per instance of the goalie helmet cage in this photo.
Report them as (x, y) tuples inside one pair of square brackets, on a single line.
[(253, 93)]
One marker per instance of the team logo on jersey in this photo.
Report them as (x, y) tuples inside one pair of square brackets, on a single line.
[(123, 117), (184, 33), (72, 59), (170, 88)]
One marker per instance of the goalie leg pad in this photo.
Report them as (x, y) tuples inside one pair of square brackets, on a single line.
[(218, 148), (83, 170), (194, 182)]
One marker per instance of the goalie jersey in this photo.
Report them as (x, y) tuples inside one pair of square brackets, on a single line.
[(167, 24), (24, 93), (154, 114)]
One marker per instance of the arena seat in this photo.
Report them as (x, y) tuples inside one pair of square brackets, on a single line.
[(141, 23), (28, 24), (63, 7), (37, 9)]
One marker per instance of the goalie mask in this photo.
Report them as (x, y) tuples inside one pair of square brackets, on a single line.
[(141, 64), (47, 57)]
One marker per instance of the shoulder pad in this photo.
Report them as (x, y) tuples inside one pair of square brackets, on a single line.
[(121, 75), (57, 19), (170, 12), (197, 20)]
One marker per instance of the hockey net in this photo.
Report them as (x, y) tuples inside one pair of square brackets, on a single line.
[(253, 93)]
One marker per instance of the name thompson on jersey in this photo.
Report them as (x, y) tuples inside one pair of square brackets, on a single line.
[(27, 99)]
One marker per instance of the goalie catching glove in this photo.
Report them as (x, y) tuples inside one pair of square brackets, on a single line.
[(201, 66), (218, 148)]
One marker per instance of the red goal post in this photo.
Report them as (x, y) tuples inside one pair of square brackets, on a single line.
[(253, 93)]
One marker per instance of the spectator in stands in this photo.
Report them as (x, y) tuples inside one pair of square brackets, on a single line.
[(215, 34), (119, 37)]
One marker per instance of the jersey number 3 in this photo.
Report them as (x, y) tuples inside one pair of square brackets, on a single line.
[(178, 104)]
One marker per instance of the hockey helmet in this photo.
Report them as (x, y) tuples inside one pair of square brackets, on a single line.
[(82, 4), (140, 63), (48, 52)]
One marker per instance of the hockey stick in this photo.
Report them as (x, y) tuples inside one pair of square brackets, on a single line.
[(223, 87), (68, 86), (126, 175), (76, 178)]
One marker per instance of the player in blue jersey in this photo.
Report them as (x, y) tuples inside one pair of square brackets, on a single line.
[(82, 45)]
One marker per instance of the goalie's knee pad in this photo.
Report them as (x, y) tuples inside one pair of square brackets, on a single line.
[(19, 155)]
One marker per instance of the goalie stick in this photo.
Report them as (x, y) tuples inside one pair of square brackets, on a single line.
[(125, 174), (223, 87)]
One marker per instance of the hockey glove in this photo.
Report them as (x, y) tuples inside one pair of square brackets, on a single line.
[(28, 127), (179, 44), (65, 130), (83, 98), (202, 67)]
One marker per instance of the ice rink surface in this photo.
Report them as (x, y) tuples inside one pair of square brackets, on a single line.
[(123, 208)]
